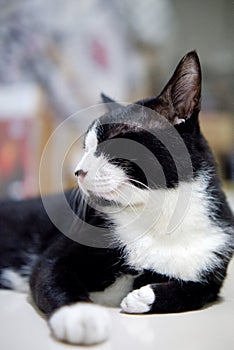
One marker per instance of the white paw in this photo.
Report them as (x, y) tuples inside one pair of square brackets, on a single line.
[(81, 323), (138, 301)]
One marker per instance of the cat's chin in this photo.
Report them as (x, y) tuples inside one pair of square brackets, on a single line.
[(101, 200), (112, 195), (109, 196)]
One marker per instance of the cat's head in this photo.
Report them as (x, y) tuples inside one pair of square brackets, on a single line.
[(146, 145)]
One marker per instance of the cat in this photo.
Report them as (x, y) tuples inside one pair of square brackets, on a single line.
[(148, 181)]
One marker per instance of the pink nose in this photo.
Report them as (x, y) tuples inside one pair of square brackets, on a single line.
[(81, 174)]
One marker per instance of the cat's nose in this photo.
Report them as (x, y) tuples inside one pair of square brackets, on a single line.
[(80, 174)]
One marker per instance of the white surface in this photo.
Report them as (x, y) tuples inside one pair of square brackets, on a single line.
[(22, 328)]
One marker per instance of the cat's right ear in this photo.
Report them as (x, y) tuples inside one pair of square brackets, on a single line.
[(111, 104), (181, 97)]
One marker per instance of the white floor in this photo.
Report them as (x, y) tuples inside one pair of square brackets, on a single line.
[(22, 328)]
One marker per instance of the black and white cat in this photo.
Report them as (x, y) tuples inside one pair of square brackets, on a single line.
[(168, 225)]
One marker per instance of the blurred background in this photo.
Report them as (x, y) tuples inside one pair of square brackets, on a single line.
[(57, 56)]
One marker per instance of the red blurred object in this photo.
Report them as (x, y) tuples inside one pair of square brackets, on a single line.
[(19, 107)]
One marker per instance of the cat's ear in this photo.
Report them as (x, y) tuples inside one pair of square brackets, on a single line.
[(111, 104), (181, 97)]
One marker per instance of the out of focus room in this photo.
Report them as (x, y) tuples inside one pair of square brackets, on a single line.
[(56, 57)]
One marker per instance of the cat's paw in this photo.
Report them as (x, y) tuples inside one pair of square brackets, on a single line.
[(139, 301), (81, 323)]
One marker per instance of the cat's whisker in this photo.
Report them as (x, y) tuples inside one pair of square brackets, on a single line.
[(114, 200), (171, 237), (75, 201), (140, 183), (136, 181), (139, 194), (128, 184), (129, 204)]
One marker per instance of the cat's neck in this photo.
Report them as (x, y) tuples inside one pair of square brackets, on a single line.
[(175, 236), (165, 212)]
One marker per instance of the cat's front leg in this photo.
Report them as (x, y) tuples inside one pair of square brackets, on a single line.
[(139, 301), (172, 296), (80, 323), (72, 317)]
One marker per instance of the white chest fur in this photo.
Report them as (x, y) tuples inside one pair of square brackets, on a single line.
[(114, 294), (173, 236)]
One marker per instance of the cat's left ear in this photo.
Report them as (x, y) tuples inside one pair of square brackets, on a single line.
[(181, 97), (111, 104)]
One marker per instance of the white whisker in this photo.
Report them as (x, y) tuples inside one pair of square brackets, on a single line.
[(140, 183), (129, 204)]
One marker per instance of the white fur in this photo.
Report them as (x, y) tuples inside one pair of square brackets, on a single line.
[(102, 179), (113, 295), (12, 279), (138, 301), (166, 230), (105, 179), (81, 323), (178, 120), (91, 140), (182, 246)]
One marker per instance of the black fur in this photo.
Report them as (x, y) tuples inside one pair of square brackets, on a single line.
[(62, 271)]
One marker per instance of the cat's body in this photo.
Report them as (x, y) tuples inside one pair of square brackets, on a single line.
[(169, 227)]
